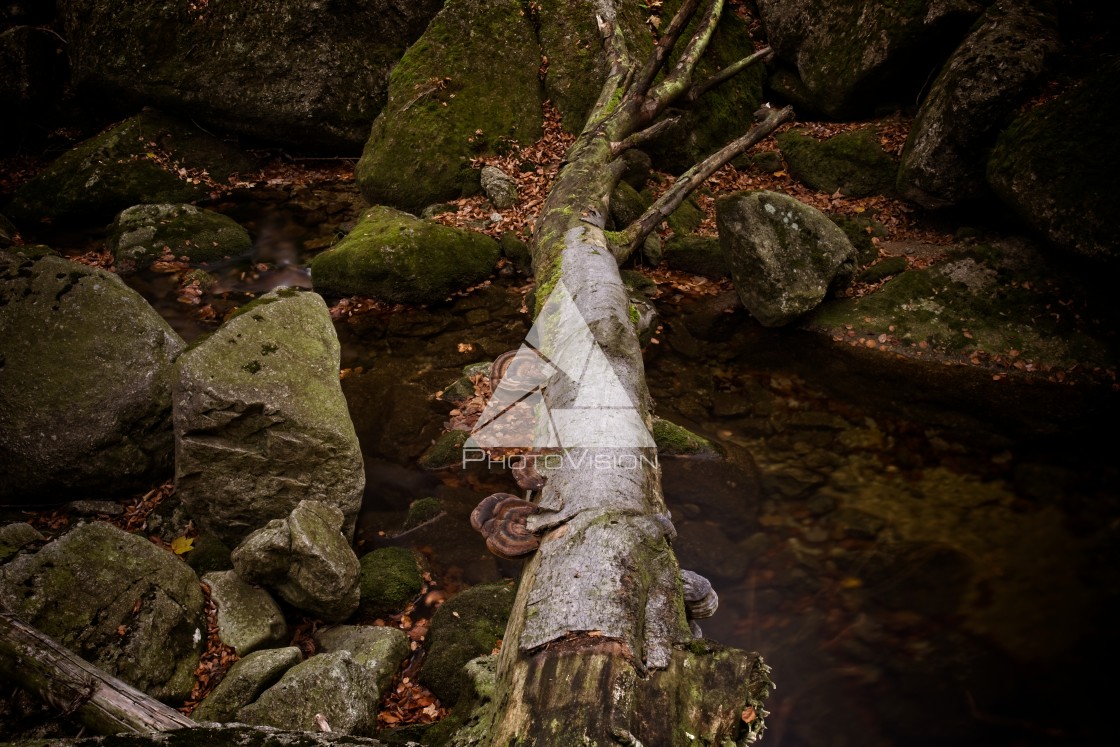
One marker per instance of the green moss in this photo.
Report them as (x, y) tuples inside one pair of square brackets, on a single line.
[(142, 233), (686, 218), (419, 511), (675, 440), (442, 108), (700, 255), (627, 204), (853, 162), (390, 579), (859, 232), (395, 257), (881, 270), (446, 452)]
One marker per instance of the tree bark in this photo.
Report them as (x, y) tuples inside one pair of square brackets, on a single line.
[(598, 650), (105, 704)]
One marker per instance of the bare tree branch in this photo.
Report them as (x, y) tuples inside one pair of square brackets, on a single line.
[(629, 239), (663, 47), (677, 81), (643, 136), (699, 89)]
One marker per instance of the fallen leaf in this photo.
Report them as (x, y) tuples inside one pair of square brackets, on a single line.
[(182, 545)]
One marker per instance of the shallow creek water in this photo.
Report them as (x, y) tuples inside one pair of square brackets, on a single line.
[(924, 556)]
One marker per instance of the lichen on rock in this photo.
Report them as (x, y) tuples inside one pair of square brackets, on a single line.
[(142, 233)]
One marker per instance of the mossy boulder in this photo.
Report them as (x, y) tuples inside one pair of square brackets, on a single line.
[(96, 581), (628, 204), (517, 252), (852, 162), (244, 682), (576, 65), (261, 422), (860, 230), (142, 233), (390, 579), (380, 650), (676, 440), (248, 618), (784, 255), (467, 87), (16, 536), (85, 383), (396, 257), (686, 218), (305, 559), (464, 627), (421, 511), (699, 255), (229, 63), (974, 96), (1055, 166), (851, 56), (993, 300), (137, 161)]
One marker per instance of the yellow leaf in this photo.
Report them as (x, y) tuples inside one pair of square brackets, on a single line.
[(181, 545)]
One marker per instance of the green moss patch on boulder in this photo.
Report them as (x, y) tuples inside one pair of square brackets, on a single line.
[(137, 161), (261, 422), (1056, 166), (396, 257), (380, 650), (83, 590), (852, 162), (576, 65), (785, 256), (467, 87), (628, 204), (686, 218), (244, 682), (676, 440), (85, 383), (390, 579), (700, 255), (248, 618), (142, 233), (464, 627)]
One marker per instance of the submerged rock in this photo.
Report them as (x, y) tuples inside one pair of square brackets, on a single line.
[(248, 618), (390, 580), (333, 687), (142, 233), (150, 158), (853, 55), (464, 627), (975, 95), (467, 87), (116, 600), (293, 71), (784, 255), (1056, 164), (244, 682), (260, 420), (85, 383), (852, 162), (396, 257), (305, 559)]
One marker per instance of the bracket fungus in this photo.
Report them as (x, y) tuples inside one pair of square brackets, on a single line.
[(501, 519), (700, 599)]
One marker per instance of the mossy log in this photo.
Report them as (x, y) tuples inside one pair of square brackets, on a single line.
[(598, 650), (105, 704)]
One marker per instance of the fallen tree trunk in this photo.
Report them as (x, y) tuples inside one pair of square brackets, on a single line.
[(598, 650), (105, 704)]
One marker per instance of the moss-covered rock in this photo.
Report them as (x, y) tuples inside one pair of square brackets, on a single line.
[(16, 536), (464, 627), (576, 66), (248, 618), (853, 162), (244, 682), (991, 300), (676, 440), (628, 204), (85, 383), (380, 650), (396, 257), (700, 255), (784, 255), (467, 87), (860, 230), (882, 270), (390, 579), (1055, 167), (305, 559), (83, 590), (517, 252), (260, 420), (293, 71), (686, 218), (853, 55), (422, 510), (975, 94), (137, 161), (142, 233)]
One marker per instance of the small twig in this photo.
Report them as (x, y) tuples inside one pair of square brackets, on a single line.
[(660, 54), (643, 136), (699, 89)]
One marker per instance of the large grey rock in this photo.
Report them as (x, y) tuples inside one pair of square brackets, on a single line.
[(855, 54), (116, 600), (466, 87), (85, 383), (248, 618), (260, 420), (784, 255), (244, 682), (149, 158), (975, 95), (1055, 166), (396, 257), (306, 72), (142, 233), (331, 685), (499, 187), (305, 559), (380, 650)]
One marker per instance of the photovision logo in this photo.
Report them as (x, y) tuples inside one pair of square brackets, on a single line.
[(596, 413)]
